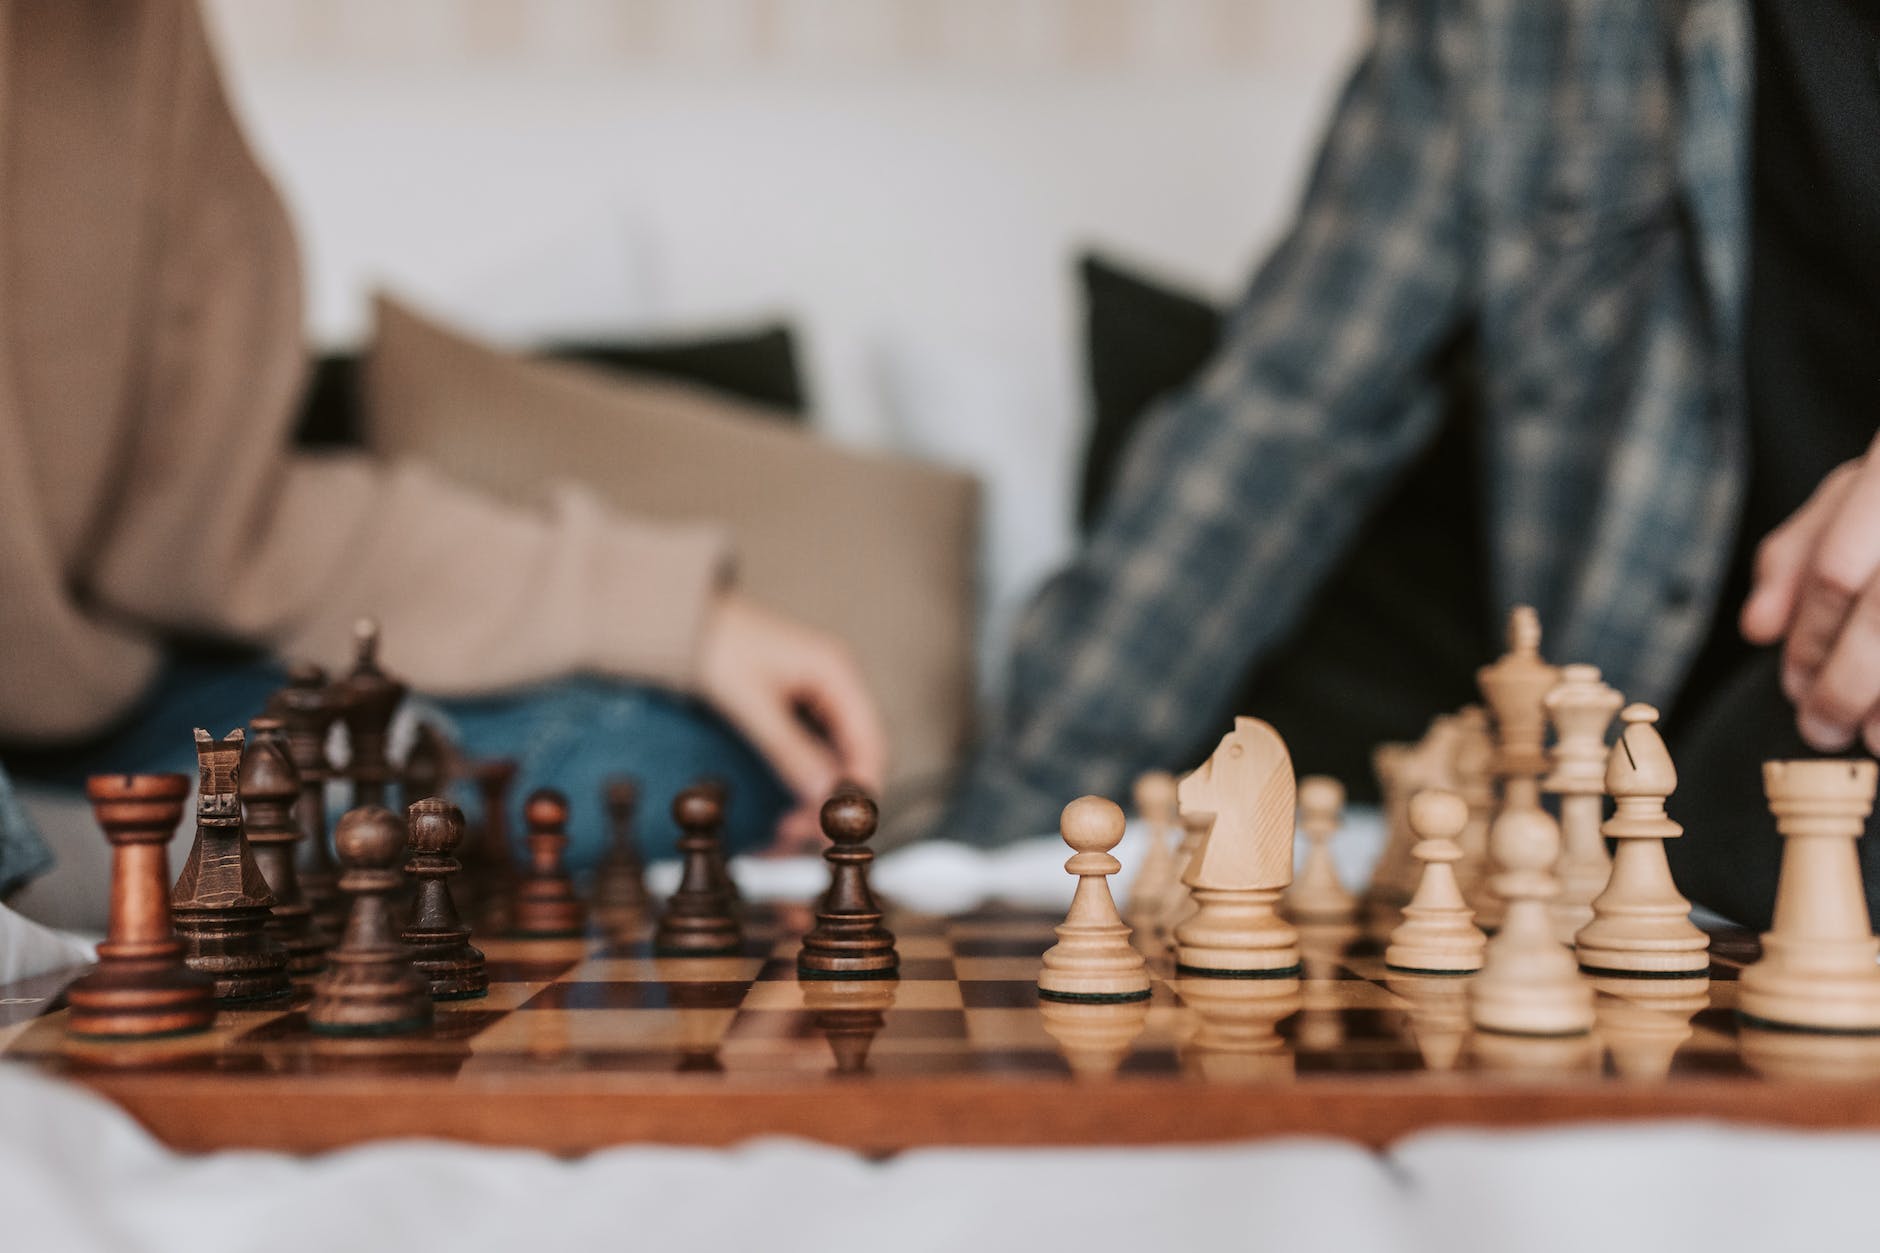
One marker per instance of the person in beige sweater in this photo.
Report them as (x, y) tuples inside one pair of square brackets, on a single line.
[(151, 359)]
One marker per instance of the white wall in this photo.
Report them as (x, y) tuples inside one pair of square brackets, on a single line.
[(905, 179)]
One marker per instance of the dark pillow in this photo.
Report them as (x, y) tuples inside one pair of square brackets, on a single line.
[(758, 365), (1142, 341), (1405, 614)]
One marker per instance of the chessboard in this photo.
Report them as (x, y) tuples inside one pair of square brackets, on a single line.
[(586, 1043)]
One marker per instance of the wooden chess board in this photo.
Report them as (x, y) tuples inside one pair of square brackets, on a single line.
[(587, 1043)]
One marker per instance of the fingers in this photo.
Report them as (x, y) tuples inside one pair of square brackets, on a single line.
[(1845, 696), (1846, 557), (1782, 561), (806, 765), (799, 831), (840, 698)]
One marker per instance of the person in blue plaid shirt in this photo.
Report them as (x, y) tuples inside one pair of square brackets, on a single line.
[(1581, 310)]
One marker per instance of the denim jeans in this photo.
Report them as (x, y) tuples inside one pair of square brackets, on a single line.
[(571, 735)]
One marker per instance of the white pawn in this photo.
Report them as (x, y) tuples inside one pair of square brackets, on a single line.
[(1158, 874), (1178, 906), (1438, 934), (1641, 926), (1093, 960), (1317, 895), (1530, 984), (1817, 969)]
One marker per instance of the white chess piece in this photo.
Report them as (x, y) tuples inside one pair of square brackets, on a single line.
[(1245, 862), (1817, 969), (1317, 895), (1438, 934), (1156, 874), (1093, 959), (1641, 926)]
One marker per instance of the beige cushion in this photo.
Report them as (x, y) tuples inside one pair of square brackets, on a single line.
[(878, 550)]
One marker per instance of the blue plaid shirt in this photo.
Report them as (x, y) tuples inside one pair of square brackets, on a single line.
[(1563, 180)]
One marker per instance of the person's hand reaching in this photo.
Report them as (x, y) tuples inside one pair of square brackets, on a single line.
[(1817, 589), (799, 697)]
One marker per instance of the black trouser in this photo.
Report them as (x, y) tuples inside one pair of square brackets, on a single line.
[(1729, 854)]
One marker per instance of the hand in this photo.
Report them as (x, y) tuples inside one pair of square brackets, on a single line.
[(763, 672), (1817, 588)]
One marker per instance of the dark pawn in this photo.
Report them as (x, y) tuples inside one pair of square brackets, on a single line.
[(620, 882), (699, 920), (370, 698), (489, 861), (437, 938), (848, 940), (370, 986), (141, 987), (721, 863), (268, 790), (426, 766), (221, 903), (546, 906), (307, 708)]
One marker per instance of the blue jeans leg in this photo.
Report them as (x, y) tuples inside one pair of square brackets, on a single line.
[(574, 734)]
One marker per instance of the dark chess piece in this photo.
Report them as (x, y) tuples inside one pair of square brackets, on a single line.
[(489, 860), (620, 882), (370, 986), (848, 940), (268, 789), (307, 708), (370, 700), (720, 791), (546, 906), (140, 988), (437, 938), (700, 920), (221, 903), (426, 766)]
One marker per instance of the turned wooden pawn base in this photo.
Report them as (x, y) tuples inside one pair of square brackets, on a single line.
[(140, 999), (1110, 978), (1419, 946), (1630, 963), (370, 995), (1237, 935), (450, 966), (849, 947)]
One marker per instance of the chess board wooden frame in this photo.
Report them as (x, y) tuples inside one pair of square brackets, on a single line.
[(589, 1043)]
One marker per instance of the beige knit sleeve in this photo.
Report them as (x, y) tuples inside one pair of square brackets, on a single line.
[(212, 526), (472, 594)]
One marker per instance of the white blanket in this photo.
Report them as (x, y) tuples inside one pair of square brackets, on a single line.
[(77, 1176)]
